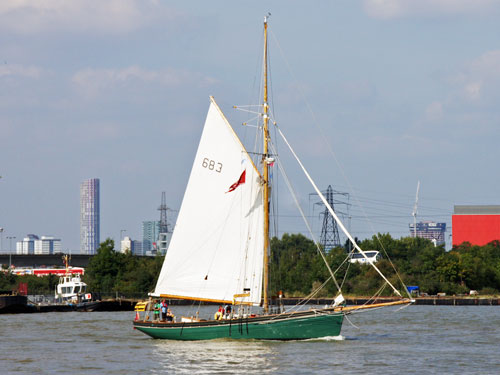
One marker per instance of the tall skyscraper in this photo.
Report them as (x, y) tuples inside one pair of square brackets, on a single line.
[(89, 216), (150, 232)]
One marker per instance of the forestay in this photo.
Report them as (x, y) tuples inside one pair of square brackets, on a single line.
[(216, 250)]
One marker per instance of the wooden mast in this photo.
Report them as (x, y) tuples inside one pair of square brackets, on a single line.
[(266, 176)]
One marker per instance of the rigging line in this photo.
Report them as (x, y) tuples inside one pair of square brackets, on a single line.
[(315, 122), (304, 301), (275, 181), (255, 81), (316, 291), (399, 205), (401, 308), (351, 323), (240, 106), (327, 205), (290, 188), (275, 201), (346, 271)]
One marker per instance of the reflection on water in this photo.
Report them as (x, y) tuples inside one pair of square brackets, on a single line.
[(215, 356), (328, 338)]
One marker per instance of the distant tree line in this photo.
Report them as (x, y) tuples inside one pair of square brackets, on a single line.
[(123, 273), (109, 272), (296, 268)]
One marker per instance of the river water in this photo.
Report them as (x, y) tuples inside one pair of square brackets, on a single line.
[(413, 340)]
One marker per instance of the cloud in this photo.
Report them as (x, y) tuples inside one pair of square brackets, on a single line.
[(475, 86), (111, 16), (434, 111), (14, 70), (93, 131), (470, 109), (93, 82), (388, 9), (359, 92), (478, 82)]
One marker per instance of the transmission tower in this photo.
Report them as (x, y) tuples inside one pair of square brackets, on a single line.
[(330, 232), (163, 213), (162, 236)]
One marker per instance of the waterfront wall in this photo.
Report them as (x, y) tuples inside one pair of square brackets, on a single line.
[(437, 301), (428, 301), (36, 261)]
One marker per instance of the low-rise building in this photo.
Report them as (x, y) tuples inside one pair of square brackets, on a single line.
[(477, 225), (27, 245), (430, 230), (32, 244), (134, 246), (47, 245)]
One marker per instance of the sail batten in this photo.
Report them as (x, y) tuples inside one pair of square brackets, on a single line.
[(217, 245)]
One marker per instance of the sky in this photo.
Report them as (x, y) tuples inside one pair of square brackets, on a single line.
[(374, 95)]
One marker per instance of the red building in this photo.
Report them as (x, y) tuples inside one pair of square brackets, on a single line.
[(47, 271), (475, 224)]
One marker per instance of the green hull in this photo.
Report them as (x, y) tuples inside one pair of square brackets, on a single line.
[(291, 326)]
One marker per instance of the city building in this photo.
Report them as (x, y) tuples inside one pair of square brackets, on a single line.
[(126, 245), (137, 247), (477, 225), (32, 244), (21, 271), (47, 245), (27, 245), (134, 246), (89, 216), (430, 230), (162, 243), (150, 233)]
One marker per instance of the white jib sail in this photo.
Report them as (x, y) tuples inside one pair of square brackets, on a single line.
[(216, 249)]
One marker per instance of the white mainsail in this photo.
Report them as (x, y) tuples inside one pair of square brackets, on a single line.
[(216, 251)]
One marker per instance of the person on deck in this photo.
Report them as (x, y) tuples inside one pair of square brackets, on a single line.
[(157, 308), (170, 316), (227, 312), (164, 308), (219, 314)]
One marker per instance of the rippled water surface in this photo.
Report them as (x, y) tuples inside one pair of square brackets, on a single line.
[(415, 340)]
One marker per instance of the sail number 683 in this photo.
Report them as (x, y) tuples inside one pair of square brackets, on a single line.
[(212, 165)]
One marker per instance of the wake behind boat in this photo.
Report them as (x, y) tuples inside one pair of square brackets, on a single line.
[(226, 262)]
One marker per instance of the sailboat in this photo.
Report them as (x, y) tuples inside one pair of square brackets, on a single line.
[(220, 245)]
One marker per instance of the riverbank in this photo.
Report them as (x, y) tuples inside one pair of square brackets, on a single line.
[(423, 301), (18, 304)]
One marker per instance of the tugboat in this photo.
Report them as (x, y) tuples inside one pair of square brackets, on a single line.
[(71, 289)]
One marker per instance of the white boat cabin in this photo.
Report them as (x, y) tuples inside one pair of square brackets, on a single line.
[(372, 256), (70, 287)]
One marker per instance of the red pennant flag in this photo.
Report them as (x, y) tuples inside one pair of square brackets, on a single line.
[(240, 181)]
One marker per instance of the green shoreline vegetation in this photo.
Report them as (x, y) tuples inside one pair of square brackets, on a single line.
[(297, 269)]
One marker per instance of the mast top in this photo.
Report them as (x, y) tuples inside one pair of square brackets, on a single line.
[(266, 17)]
